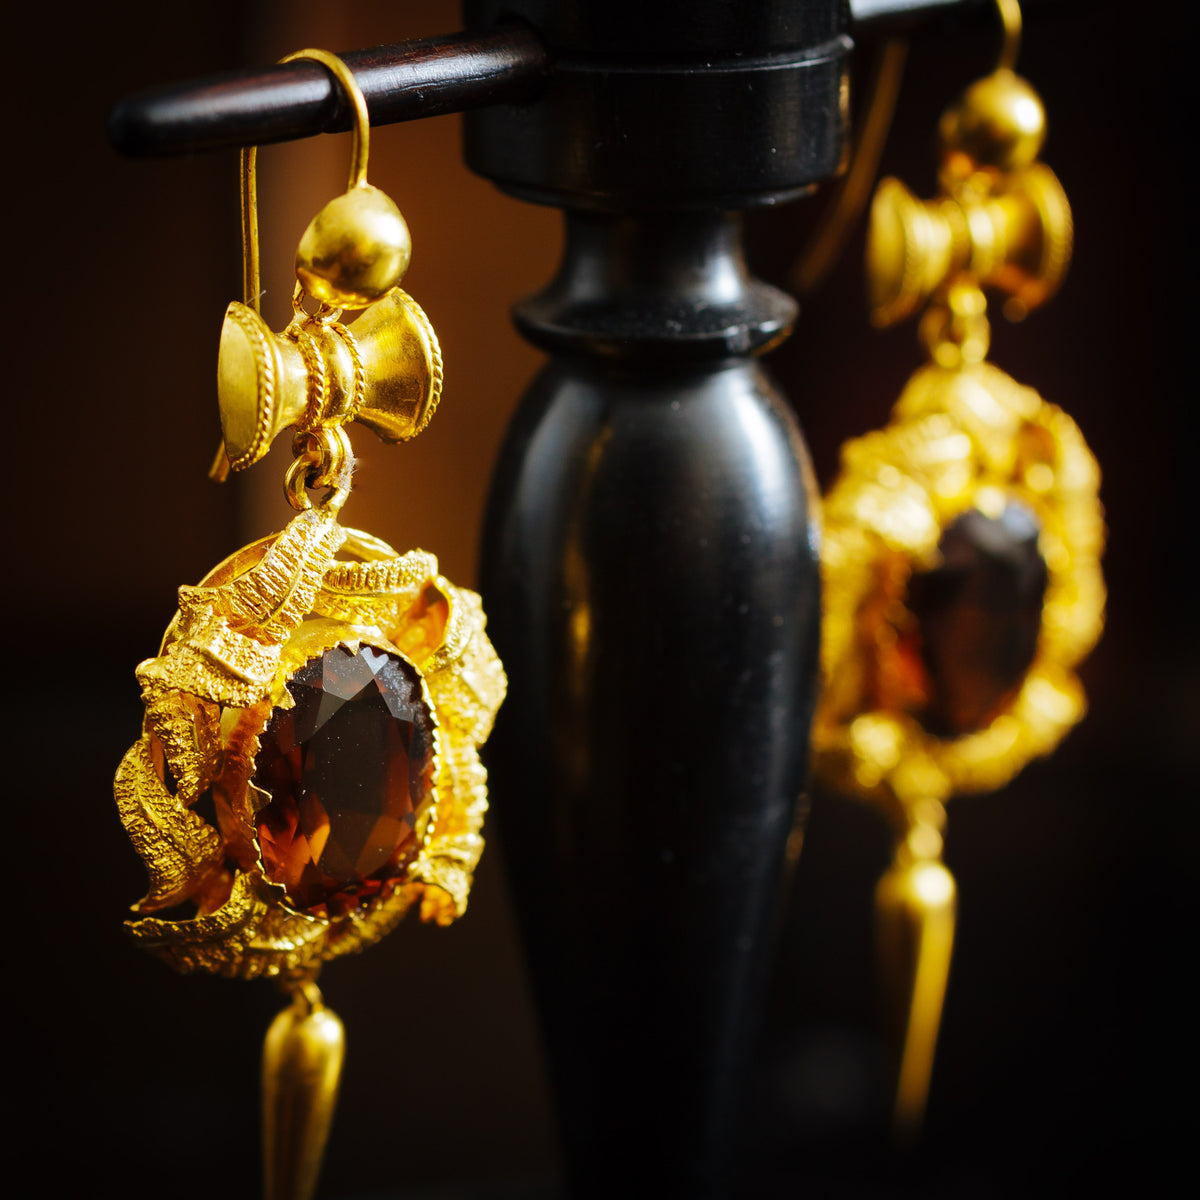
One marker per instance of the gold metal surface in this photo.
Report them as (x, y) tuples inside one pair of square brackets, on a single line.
[(915, 904), (1010, 19), (237, 639), (999, 95), (963, 435), (301, 1069), (1018, 241), (357, 248), (960, 438), (1002, 220), (354, 253), (251, 257), (385, 373)]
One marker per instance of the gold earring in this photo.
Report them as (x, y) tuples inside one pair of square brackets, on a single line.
[(308, 769), (961, 562)]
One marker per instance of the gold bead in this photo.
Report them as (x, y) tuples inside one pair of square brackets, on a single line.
[(355, 250), (998, 122)]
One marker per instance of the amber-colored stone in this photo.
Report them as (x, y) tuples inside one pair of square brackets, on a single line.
[(423, 629), (349, 771), (977, 619)]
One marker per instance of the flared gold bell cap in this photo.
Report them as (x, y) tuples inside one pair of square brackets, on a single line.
[(403, 363), (385, 372), (248, 371), (1018, 240), (907, 253)]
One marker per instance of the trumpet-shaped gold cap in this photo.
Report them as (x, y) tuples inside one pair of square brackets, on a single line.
[(386, 373)]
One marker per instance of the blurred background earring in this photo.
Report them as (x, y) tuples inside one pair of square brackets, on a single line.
[(308, 768), (962, 542)]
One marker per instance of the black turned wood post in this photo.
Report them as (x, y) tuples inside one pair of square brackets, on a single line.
[(650, 559)]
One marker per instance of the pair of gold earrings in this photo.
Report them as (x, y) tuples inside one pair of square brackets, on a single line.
[(961, 556), (308, 768)]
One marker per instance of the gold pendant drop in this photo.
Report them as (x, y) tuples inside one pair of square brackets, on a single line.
[(308, 769)]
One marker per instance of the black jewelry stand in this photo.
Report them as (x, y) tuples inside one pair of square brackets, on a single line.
[(649, 563)]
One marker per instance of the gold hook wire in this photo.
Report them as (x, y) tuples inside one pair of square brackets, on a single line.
[(1010, 18), (854, 189), (251, 279)]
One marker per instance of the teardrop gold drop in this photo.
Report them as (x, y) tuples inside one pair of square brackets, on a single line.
[(302, 1066)]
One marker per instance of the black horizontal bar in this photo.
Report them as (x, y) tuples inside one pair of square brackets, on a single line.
[(400, 82), (408, 80)]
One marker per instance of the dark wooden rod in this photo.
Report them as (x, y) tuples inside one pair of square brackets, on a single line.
[(404, 81), (401, 82)]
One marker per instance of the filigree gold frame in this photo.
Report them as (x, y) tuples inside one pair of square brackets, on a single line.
[(965, 437), (223, 667)]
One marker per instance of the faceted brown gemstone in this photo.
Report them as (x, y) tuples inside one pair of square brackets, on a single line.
[(350, 771), (977, 619)]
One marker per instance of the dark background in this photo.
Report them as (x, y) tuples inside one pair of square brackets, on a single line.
[(1067, 1028)]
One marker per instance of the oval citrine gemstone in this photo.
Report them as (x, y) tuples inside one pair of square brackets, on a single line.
[(350, 772), (978, 617)]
